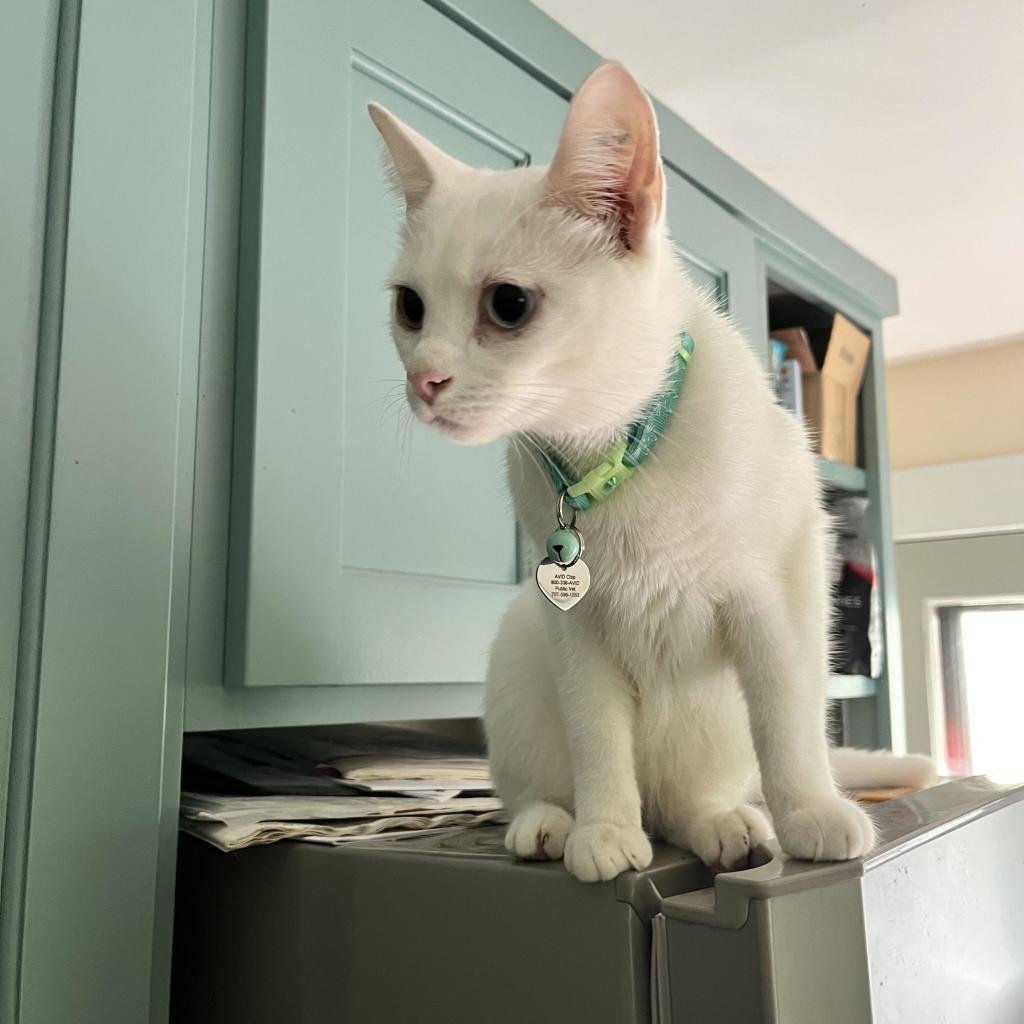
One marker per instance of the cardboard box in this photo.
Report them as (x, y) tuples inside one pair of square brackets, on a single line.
[(830, 391)]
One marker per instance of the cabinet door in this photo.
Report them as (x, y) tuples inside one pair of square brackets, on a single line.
[(720, 253), (364, 548)]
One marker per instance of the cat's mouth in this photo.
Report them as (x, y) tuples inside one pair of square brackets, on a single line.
[(456, 430), (447, 425)]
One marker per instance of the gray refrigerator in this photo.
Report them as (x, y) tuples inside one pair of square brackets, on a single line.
[(448, 929)]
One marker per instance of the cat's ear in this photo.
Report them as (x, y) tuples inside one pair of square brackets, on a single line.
[(417, 163), (607, 165)]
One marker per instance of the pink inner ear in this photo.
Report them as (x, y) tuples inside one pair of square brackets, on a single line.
[(607, 165)]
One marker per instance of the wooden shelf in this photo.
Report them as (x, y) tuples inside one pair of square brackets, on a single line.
[(848, 687), (839, 477)]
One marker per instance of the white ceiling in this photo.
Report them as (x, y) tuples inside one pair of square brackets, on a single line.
[(898, 124)]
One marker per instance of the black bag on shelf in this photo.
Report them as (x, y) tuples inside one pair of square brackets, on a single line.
[(853, 590)]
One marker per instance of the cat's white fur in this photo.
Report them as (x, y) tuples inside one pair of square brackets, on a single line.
[(700, 652)]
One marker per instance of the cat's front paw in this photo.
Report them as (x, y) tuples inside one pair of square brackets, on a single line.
[(538, 832), (723, 839), (828, 828), (597, 853)]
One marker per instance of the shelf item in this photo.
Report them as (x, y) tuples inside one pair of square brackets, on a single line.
[(848, 687), (832, 366), (838, 476)]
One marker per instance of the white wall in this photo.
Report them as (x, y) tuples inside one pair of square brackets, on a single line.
[(959, 530), (959, 499)]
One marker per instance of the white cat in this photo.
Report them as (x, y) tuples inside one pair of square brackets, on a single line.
[(546, 304)]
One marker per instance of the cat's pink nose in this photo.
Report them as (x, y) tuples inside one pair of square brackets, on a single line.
[(427, 384)]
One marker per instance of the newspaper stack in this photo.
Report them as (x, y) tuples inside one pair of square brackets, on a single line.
[(331, 785), (412, 774), (234, 822)]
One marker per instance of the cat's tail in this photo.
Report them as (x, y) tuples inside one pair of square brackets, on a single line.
[(880, 769)]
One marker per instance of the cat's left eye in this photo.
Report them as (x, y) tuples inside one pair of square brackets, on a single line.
[(508, 306)]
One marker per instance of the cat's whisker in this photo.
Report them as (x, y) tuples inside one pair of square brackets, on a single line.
[(396, 410), (526, 446), (405, 449), (522, 448), (389, 402)]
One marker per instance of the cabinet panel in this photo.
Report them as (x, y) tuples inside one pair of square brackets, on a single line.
[(364, 549), (404, 506), (123, 285), (720, 254)]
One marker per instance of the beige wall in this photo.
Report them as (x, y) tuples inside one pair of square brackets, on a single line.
[(964, 405)]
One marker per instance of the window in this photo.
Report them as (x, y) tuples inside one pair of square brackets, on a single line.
[(981, 661)]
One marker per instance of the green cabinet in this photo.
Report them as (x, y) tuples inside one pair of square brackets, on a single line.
[(365, 550)]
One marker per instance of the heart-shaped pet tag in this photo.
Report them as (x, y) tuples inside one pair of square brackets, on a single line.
[(564, 588)]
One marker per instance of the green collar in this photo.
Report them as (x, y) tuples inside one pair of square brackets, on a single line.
[(622, 459)]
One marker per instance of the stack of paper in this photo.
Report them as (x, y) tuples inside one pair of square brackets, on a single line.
[(330, 785), (410, 773), (233, 822)]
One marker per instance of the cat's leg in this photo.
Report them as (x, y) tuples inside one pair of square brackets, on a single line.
[(559, 727), (777, 629), (597, 705), (525, 740), (698, 771)]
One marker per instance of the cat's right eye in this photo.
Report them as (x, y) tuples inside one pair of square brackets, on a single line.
[(508, 306), (409, 308)]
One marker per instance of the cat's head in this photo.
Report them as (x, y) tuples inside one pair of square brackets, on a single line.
[(535, 299)]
